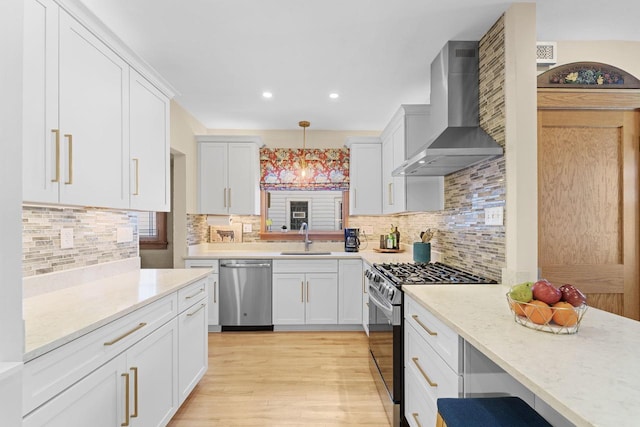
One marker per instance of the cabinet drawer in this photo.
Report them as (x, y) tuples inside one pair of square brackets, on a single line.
[(203, 263), (191, 294), (305, 266), (53, 372), (439, 336), (418, 410), (436, 377)]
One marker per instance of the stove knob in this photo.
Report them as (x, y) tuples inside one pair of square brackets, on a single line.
[(391, 293)]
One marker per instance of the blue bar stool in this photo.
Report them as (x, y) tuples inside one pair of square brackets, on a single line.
[(507, 411)]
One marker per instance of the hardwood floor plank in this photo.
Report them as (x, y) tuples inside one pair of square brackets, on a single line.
[(285, 379)]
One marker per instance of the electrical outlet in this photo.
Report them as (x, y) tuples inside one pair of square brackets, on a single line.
[(66, 238), (124, 234), (368, 230), (247, 228), (494, 216)]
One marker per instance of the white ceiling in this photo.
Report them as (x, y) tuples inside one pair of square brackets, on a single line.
[(221, 55)]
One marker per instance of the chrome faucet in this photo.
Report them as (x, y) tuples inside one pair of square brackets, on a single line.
[(304, 228)]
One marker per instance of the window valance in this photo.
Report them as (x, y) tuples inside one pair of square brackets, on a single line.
[(326, 169)]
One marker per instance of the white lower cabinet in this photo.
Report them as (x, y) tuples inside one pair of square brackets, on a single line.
[(350, 291), (301, 299), (134, 371), (152, 365), (431, 368), (146, 375), (305, 292), (97, 400), (192, 347), (214, 288)]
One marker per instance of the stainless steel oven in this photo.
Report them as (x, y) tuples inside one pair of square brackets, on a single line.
[(385, 345)]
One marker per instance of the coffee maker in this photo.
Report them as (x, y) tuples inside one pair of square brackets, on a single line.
[(351, 239)]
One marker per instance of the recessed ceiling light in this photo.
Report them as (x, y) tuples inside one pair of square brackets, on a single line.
[(334, 95), (421, 162), (267, 94)]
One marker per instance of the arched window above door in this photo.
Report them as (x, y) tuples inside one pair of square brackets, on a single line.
[(587, 75)]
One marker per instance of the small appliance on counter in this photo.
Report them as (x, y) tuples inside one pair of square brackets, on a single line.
[(351, 239)]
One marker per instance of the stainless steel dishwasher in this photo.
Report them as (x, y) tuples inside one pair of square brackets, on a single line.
[(245, 294)]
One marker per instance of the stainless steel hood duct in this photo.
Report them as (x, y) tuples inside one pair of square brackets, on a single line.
[(457, 141)]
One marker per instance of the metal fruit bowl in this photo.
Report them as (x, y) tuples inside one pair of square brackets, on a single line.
[(556, 320)]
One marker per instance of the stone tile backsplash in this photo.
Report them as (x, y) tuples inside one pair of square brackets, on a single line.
[(198, 229), (94, 238)]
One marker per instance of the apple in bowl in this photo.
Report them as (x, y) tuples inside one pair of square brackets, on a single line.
[(545, 291)]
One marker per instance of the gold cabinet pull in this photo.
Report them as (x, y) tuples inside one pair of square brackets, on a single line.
[(126, 334), (196, 310), (302, 291), (307, 291), (390, 193), (136, 192), (215, 288), (224, 200), (70, 157), (355, 198), (415, 417), (201, 290), (364, 284), (429, 331), (56, 132), (126, 400), (135, 391), (424, 374), (229, 195)]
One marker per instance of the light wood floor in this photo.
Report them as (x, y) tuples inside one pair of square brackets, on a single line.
[(285, 379)]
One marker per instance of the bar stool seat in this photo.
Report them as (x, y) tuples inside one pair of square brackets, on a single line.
[(507, 411)]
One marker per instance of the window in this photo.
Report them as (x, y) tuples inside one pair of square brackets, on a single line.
[(152, 230)]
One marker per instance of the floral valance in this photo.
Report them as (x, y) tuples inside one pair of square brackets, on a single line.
[(326, 169)]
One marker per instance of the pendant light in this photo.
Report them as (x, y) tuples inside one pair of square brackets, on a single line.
[(303, 163)]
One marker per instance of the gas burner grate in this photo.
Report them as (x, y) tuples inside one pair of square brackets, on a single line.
[(429, 273)]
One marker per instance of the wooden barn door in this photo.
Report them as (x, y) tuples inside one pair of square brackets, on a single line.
[(588, 203)]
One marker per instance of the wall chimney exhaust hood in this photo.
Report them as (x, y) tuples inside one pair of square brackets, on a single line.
[(457, 141)]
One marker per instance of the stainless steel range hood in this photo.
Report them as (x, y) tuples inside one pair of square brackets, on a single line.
[(457, 141)]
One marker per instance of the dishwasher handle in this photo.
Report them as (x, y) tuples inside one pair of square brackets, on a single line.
[(264, 265)]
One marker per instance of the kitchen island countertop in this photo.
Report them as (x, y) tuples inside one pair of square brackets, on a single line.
[(592, 377), (54, 318)]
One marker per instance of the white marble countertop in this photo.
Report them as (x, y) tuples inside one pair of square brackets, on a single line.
[(592, 377), (55, 318)]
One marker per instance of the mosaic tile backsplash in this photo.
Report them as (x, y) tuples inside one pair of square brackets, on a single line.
[(94, 238), (198, 229)]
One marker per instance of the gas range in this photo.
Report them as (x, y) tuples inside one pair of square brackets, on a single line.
[(388, 278), (427, 273), (386, 323)]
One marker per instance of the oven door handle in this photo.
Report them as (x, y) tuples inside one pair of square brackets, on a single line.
[(373, 296)]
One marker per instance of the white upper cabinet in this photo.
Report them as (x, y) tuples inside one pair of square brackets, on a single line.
[(228, 175), (365, 175), (405, 134), (149, 146), (41, 135), (93, 110), (78, 123)]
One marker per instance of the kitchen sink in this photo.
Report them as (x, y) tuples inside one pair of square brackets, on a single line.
[(305, 253)]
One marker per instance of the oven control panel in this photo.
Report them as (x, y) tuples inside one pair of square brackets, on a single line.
[(385, 288)]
